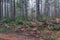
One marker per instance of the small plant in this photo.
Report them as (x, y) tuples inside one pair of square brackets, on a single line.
[(51, 18), (43, 18), (19, 20), (29, 24), (6, 20), (38, 27), (5, 30), (55, 27)]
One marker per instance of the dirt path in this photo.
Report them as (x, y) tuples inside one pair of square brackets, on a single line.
[(16, 37), (10, 37), (7, 37)]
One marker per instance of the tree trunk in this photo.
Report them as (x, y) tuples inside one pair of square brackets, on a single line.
[(0, 9), (14, 10), (55, 8), (25, 9), (47, 9), (37, 10), (12, 4)]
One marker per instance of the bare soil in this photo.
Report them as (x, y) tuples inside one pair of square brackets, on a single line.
[(17, 37)]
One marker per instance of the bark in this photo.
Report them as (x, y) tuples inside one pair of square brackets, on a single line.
[(25, 9), (22, 8), (47, 9), (55, 2), (0, 9), (7, 8), (37, 10), (12, 9)]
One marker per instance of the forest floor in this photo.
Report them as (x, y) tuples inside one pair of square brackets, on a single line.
[(42, 30), (17, 37)]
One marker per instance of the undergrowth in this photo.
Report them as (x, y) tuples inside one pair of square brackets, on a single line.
[(20, 20)]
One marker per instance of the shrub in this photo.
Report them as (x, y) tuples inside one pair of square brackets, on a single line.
[(43, 18), (29, 24), (19, 20), (38, 27), (51, 18), (55, 27), (6, 20), (5, 30)]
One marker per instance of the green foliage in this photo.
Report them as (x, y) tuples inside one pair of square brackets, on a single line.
[(19, 4), (19, 20), (5, 30), (29, 24), (55, 27), (5, 20), (29, 19), (43, 18), (51, 18), (38, 27)]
